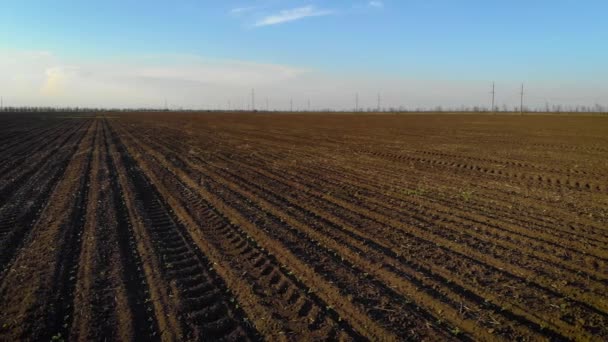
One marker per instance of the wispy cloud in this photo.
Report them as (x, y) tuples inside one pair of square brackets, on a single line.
[(376, 4), (35, 78), (293, 14), (242, 10)]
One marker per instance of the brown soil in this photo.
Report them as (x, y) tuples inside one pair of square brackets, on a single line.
[(151, 226)]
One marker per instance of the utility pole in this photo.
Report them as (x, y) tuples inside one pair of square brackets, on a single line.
[(252, 99), (356, 102), (267, 108), (493, 93), (521, 102), (378, 103), (309, 104), (291, 104)]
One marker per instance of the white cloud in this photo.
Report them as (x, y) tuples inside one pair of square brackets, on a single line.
[(292, 15), (55, 82), (242, 10), (221, 73), (190, 81), (376, 4), (39, 79), (58, 79)]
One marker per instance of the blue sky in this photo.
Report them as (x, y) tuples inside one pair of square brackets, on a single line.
[(416, 53)]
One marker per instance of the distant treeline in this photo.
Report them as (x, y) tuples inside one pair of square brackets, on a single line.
[(74, 110), (598, 109)]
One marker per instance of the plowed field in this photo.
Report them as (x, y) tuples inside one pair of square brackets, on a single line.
[(303, 227)]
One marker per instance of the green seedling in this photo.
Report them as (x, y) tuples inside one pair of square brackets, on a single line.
[(467, 195), (414, 192), (57, 338)]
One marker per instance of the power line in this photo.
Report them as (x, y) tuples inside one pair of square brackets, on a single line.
[(493, 94), (521, 101), (252, 99)]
